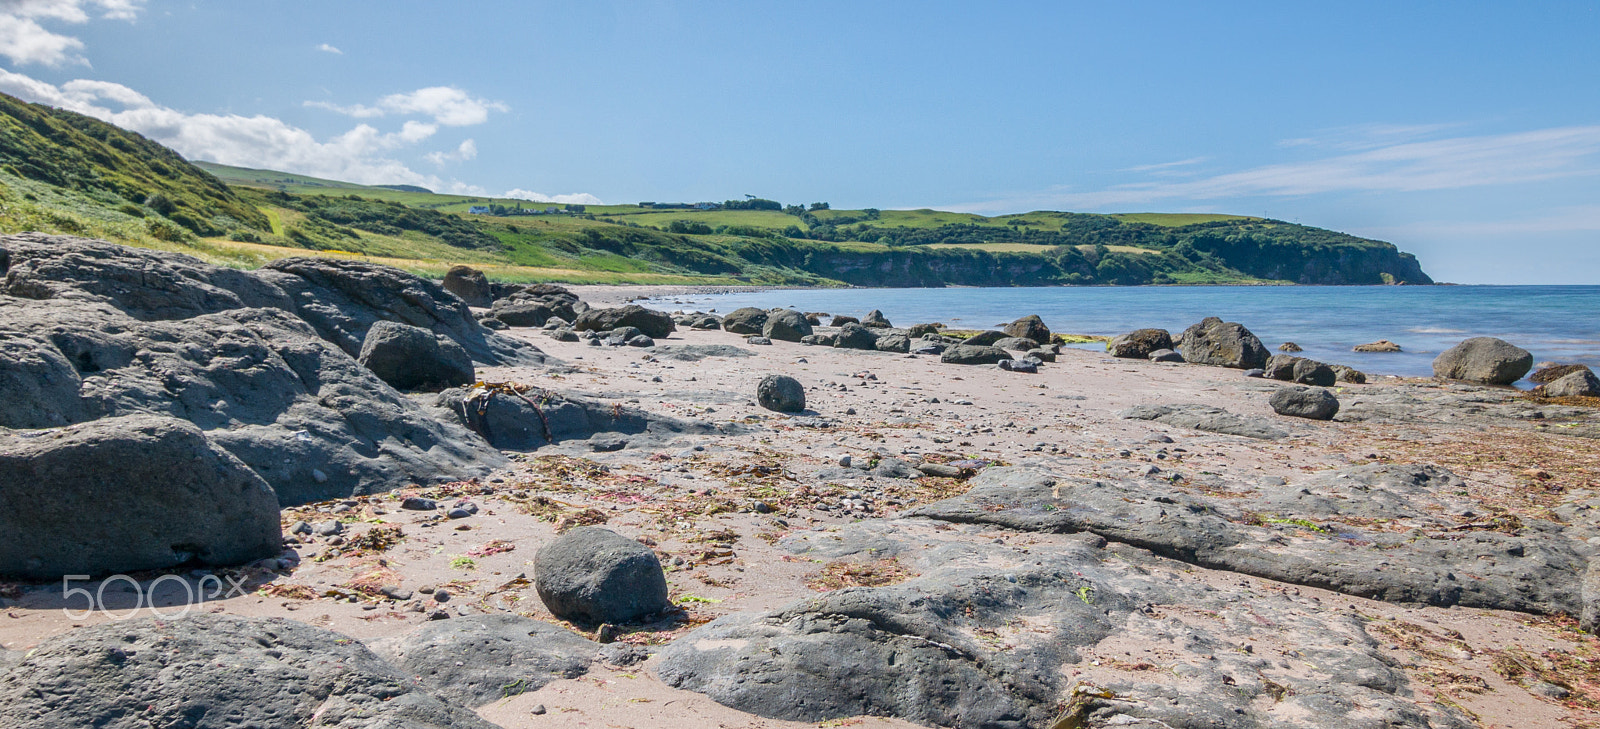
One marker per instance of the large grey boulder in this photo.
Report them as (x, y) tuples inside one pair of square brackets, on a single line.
[(892, 342), (592, 575), (216, 672), (477, 659), (1029, 327), (855, 336), (128, 493), (787, 325), (1313, 403), (1581, 383), (964, 354), (876, 320), (469, 284), (654, 324), (1483, 359), (1224, 344), (748, 320), (1017, 344), (781, 393), (1139, 343), (411, 358)]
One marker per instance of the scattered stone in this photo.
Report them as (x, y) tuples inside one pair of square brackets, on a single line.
[(607, 442), (121, 494), (592, 575), (1257, 372), (479, 659), (781, 393), (417, 503), (1487, 360), (1165, 355), (328, 528), (641, 340), (1289, 347), (963, 354), (758, 341), (1382, 345), (1030, 366), (1349, 374), (1224, 344), (917, 331), (1140, 343), (1043, 354), (876, 320), (840, 320), (1313, 403)]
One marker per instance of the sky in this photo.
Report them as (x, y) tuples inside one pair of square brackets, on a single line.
[(1465, 132)]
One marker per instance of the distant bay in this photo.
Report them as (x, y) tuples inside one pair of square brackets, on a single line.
[(1556, 323)]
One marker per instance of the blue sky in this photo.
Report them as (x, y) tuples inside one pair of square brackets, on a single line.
[(1467, 133)]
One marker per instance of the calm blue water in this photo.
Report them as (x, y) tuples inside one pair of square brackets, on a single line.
[(1556, 323)]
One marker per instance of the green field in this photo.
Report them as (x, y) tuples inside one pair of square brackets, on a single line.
[(66, 173)]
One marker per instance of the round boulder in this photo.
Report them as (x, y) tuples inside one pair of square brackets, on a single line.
[(748, 320), (1313, 403), (470, 284), (1029, 327), (1139, 343), (1223, 344), (781, 393), (657, 324), (1484, 359), (592, 575), (411, 358), (787, 325)]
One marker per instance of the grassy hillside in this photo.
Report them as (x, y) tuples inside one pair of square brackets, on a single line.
[(63, 172)]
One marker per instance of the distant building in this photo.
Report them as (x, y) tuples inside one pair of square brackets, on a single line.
[(478, 210)]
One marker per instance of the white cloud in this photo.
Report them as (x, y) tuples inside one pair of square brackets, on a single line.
[(447, 105), (326, 48), (360, 155), (576, 198), (467, 150), (24, 40), (1442, 164)]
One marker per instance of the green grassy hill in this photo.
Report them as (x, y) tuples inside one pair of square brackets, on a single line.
[(67, 173)]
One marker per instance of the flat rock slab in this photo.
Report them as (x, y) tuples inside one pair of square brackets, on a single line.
[(994, 635), (537, 418), (1207, 418), (697, 352), (214, 671), (478, 659), (1370, 531)]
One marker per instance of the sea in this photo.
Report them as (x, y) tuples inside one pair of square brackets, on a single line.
[(1555, 323)]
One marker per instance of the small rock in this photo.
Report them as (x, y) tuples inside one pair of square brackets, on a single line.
[(781, 393), (1314, 403), (1289, 347), (300, 527), (1165, 355), (328, 528), (758, 340), (537, 710), (441, 596), (1382, 345), (458, 513), (417, 503)]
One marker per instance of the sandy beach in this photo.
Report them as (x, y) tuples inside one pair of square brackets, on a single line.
[(724, 513)]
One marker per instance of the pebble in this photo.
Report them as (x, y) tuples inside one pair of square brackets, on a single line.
[(537, 710), (441, 596)]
